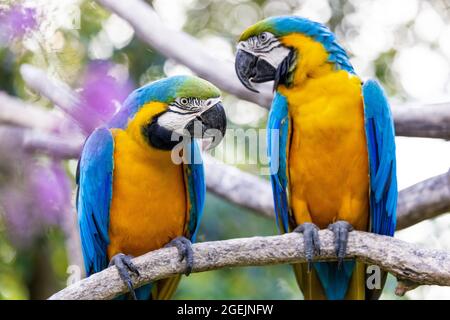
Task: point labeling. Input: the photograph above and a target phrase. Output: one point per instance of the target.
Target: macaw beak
(251, 69)
(212, 124)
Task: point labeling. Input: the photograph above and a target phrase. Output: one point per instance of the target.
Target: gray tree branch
(429, 121)
(13, 109)
(408, 262)
(423, 201)
(33, 140)
(426, 121)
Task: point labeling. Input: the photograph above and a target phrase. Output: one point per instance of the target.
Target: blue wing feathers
(380, 135)
(277, 137)
(94, 199)
(196, 188)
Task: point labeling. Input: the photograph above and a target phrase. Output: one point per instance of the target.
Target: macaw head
(275, 48)
(174, 107)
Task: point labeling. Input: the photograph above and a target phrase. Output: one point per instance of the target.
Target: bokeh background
(403, 43)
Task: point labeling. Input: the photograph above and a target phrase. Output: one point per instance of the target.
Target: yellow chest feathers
(327, 156)
(149, 200)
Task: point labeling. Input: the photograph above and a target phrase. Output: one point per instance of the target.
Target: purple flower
(40, 200)
(16, 21)
(16, 207)
(52, 191)
(21, 20)
(101, 93)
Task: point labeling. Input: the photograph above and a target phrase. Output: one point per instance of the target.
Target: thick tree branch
(411, 121)
(406, 261)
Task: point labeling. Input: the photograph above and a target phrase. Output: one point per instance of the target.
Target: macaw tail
(328, 282)
(165, 288)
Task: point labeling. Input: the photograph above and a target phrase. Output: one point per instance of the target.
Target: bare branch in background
(427, 121)
(424, 201)
(407, 262)
(33, 140)
(56, 91)
(238, 187)
(410, 121)
(430, 198)
(183, 48)
(13, 109)
(61, 147)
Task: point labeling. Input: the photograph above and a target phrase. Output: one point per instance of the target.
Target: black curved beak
(211, 124)
(251, 69)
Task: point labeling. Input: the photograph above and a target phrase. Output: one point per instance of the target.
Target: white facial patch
(275, 56)
(184, 110)
(265, 46)
(175, 121)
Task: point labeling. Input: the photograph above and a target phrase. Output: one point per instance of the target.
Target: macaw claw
(184, 246)
(311, 239)
(340, 230)
(124, 264)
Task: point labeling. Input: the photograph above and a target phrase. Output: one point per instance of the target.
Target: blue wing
(94, 198)
(380, 135)
(277, 139)
(196, 188)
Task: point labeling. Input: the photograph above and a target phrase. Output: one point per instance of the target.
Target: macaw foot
(185, 251)
(311, 239)
(340, 230)
(124, 264)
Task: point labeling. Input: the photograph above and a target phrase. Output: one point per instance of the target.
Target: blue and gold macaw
(133, 197)
(331, 147)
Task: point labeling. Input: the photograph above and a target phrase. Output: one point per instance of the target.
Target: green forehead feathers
(257, 28)
(196, 87)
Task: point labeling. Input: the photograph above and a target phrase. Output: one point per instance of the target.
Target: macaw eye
(263, 37)
(184, 101)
